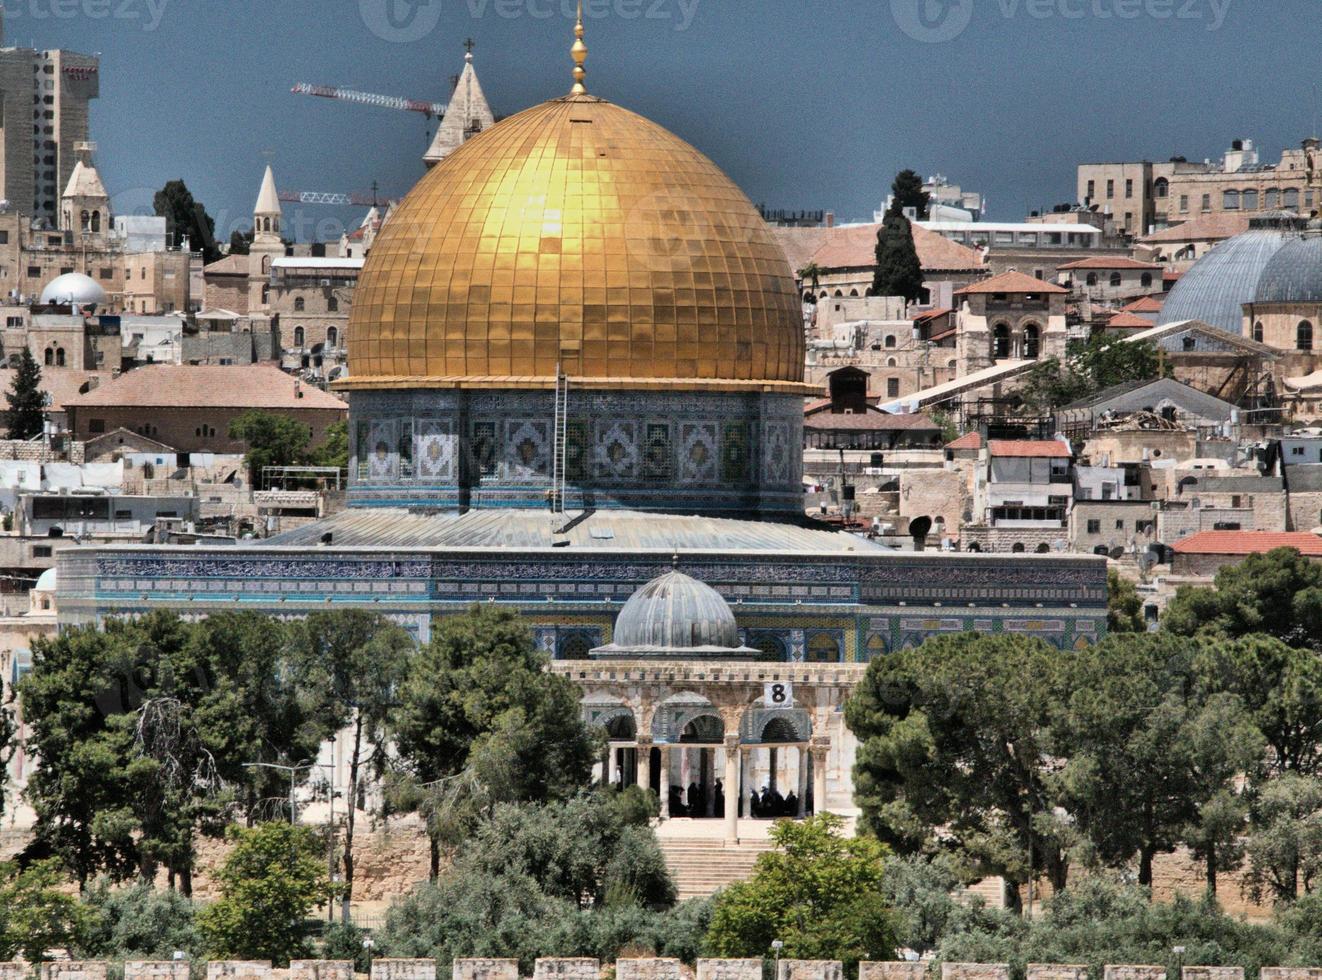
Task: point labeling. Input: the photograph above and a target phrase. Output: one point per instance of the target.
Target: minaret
(468, 114)
(85, 205)
(267, 244)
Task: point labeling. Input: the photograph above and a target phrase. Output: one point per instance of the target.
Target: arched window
(332, 304)
(96, 222)
(332, 336)
(299, 305)
(1092, 279)
(87, 221)
(1116, 280)
(59, 357)
(1043, 548)
(266, 294)
(1258, 331)
(50, 357)
(1272, 199)
(839, 295)
(1161, 188)
(1018, 548)
(891, 362)
(266, 265)
(1032, 342)
(1291, 198)
(1303, 335)
(854, 293)
(298, 336)
(890, 341)
(1001, 342)
(1146, 279)
(1230, 200)
(1250, 200)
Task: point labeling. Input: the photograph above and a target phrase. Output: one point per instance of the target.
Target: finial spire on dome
(580, 53)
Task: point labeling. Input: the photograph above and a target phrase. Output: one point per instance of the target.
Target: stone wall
(1290, 973)
(74, 970)
(388, 969)
(809, 970)
(975, 971)
(238, 970)
(566, 968)
(485, 968)
(36, 452)
(15, 971)
(729, 970)
(903, 970)
(156, 970)
(1126, 972)
(1056, 971)
(316, 970)
(1213, 973)
(652, 968)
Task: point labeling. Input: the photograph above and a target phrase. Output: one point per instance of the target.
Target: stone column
(734, 793)
(746, 793)
(666, 762)
(709, 781)
(644, 762)
(802, 789)
(773, 762)
(819, 751)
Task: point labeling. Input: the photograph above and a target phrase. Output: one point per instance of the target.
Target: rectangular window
(34, 272)
(1129, 188)
(1184, 202)
(96, 426)
(1120, 525)
(42, 551)
(107, 273)
(1207, 202)
(4, 237)
(14, 321)
(1095, 527)
(892, 387)
(1092, 189)
(1110, 188)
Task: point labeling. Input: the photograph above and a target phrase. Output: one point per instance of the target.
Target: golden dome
(580, 234)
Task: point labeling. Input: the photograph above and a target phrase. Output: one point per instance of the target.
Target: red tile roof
(230, 265)
(971, 440)
(1012, 282)
(855, 247)
(1148, 304)
(1099, 262)
(1248, 543)
(1029, 449)
(1126, 321)
(1209, 228)
(207, 386)
(933, 314)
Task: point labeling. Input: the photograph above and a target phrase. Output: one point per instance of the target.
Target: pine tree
(907, 192)
(899, 272)
(26, 416)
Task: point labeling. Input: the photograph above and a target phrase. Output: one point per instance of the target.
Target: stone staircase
(700, 867)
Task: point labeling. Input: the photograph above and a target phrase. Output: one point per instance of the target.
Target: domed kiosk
(675, 617)
(577, 239)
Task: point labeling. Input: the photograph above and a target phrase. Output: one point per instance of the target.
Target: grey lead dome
(676, 612)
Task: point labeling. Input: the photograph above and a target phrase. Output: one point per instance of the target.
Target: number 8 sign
(778, 694)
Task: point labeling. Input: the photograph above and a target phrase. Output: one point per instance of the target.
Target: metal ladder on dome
(559, 439)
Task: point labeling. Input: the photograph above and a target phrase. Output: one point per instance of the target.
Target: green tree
(1144, 750)
(898, 272)
(818, 892)
(1278, 593)
(334, 448)
(1124, 606)
(269, 885)
(907, 192)
(1101, 362)
(36, 915)
(26, 415)
(1285, 845)
(240, 242)
(1281, 687)
(138, 922)
(185, 217)
(478, 701)
(349, 665)
(811, 275)
(956, 735)
(272, 440)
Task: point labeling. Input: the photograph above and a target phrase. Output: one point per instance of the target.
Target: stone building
(1010, 317)
(1111, 281)
(190, 408)
(1202, 555)
(1023, 496)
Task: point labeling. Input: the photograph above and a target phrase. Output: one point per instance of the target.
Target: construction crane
(432, 110)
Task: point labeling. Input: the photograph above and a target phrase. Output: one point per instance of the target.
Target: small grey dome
(73, 289)
(676, 612)
(1294, 275)
(1218, 285)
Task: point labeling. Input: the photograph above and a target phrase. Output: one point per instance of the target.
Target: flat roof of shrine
(532, 529)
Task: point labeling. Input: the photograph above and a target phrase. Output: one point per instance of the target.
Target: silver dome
(73, 289)
(676, 611)
(1218, 285)
(1294, 275)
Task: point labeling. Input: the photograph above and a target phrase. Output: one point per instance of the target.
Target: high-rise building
(44, 100)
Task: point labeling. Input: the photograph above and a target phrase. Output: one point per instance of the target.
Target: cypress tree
(26, 415)
(898, 272)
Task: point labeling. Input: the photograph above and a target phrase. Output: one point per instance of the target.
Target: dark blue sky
(805, 103)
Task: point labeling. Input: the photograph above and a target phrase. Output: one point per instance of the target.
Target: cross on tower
(469, 45)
